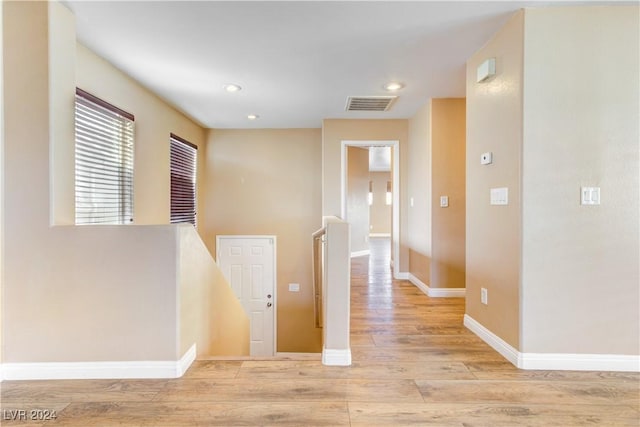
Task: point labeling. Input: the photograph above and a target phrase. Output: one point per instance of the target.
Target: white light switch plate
(500, 196)
(444, 201)
(589, 195)
(294, 287)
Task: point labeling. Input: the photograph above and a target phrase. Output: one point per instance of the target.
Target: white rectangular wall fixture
(499, 196)
(486, 70)
(589, 195)
(444, 201)
(486, 158)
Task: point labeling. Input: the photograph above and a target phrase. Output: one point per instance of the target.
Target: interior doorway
(394, 184)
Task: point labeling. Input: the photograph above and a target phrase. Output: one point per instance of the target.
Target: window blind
(183, 180)
(104, 162)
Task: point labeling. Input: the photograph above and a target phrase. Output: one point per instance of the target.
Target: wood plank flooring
(414, 364)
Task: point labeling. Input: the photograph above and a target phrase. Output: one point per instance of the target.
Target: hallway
(414, 364)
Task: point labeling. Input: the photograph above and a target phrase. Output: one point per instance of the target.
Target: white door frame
(395, 146)
(275, 274)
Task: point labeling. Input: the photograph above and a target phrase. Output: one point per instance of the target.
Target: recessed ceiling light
(393, 86)
(253, 116)
(232, 88)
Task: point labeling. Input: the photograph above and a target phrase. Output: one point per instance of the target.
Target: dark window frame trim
(184, 141)
(86, 95)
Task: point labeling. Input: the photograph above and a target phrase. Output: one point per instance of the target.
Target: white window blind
(183, 180)
(104, 162)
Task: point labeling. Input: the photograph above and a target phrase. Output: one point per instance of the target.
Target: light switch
(411, 202)
(500, 196)
(294, 287)
(486, 158)
(444, 201)
(589, 195)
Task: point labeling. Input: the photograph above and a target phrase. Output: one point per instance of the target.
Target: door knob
(269, 304)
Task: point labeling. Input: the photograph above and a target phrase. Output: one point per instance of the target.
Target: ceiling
(296, 61)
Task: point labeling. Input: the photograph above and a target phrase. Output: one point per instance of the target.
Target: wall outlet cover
(486, 158)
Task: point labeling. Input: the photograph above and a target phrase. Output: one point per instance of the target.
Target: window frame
(104, 149)
(179, 215)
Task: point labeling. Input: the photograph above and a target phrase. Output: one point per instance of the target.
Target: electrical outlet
(486, 158)
(484, 296)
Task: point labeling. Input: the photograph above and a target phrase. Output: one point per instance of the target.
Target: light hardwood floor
(414, 364)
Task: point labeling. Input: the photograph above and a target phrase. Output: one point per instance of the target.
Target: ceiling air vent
(369, 103)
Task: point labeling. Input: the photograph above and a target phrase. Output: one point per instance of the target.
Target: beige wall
(493, 233)
(334, 131)
(436, 167)
(380, 212)
(210, 314)
(357, 190)
(419, 189)
(448, 118)
(91, 293)
(268, 182)
(560, 276)
(580, 291)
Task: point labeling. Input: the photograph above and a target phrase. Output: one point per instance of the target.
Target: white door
(248, 264)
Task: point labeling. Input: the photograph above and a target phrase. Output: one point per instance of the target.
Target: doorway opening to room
(370, 198)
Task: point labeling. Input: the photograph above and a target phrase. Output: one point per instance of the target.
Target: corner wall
(448, 161)
(267, 182)
(561, 113)
(494, 123)
(437, 168)
(419, 190)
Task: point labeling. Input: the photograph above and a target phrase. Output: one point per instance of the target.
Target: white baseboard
(437, 292)
(401, 275)
(497, 343)
(336, 357)
(554, 361)
(379, 234)
(99, 370)
(360, 253)
(186, 360)
(579, 362)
